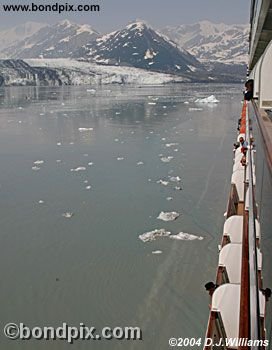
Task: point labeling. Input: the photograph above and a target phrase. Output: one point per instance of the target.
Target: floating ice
(93, 91)
(152, 235)
(186, 237)
(116, 140)
(162, 182)
(88, 187)
(140, 163)
(58, 161)
(169, 198)
(59, 144)
(210, 99)
(90, 163)
(80, 168)
(85, 155)
(168, 216)
(191, 109)
(157, 252)
(186, 102)
(84, 129)
(177, 188)
(175, 179)
(37, 162)
(166, 159)
(68, 215)
(120, 158)
(171, 144)
(35, 168)
(41, 201)
(152, 103)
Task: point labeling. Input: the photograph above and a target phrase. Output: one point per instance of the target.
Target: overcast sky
(116, 13)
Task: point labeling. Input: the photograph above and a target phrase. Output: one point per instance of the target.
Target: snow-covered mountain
(16, 34)
(59, 40)
(140, 46)
(210, 42)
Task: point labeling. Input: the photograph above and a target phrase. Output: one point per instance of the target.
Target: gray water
(92, 268)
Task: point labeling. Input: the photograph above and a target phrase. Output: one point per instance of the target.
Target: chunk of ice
(37, 162)
(162, 182)
(80, 168)
(68, 215)
(186, 237)
(209, 99)
(166, 159)
(152, 235)
(84, 129)
(168, 216)
(175, 179)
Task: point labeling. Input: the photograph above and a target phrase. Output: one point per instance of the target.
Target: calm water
(93, 268)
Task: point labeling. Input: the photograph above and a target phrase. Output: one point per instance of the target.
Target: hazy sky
(115, 14)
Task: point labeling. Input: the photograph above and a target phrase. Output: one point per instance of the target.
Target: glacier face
(57, 72)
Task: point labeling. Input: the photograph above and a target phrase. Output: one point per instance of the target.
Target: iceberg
(175, 179)
(84, 129)
(209, 99)
(162, 182)
(186, 237)
(157, 252)
(152, 235)
(68, 215)
(166, 159)
(80, 168)
(168, 216)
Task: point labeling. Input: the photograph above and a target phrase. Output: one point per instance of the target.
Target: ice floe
(177, 188)
(68, 215)
(80, 168)
(88, 187)
(140, 163)
(120, 158)
(186, 237)
(166, 159)
(169, 198)
(157, 252)
(36, 168)
(175, 179)
(41, 201)
(171, 144)
(37, 162)
(152, 235)
(209, 99)
(162, 182)
(191, 109)
(168, 216)
(84, 129)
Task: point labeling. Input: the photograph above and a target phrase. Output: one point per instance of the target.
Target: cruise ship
(240, 307)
